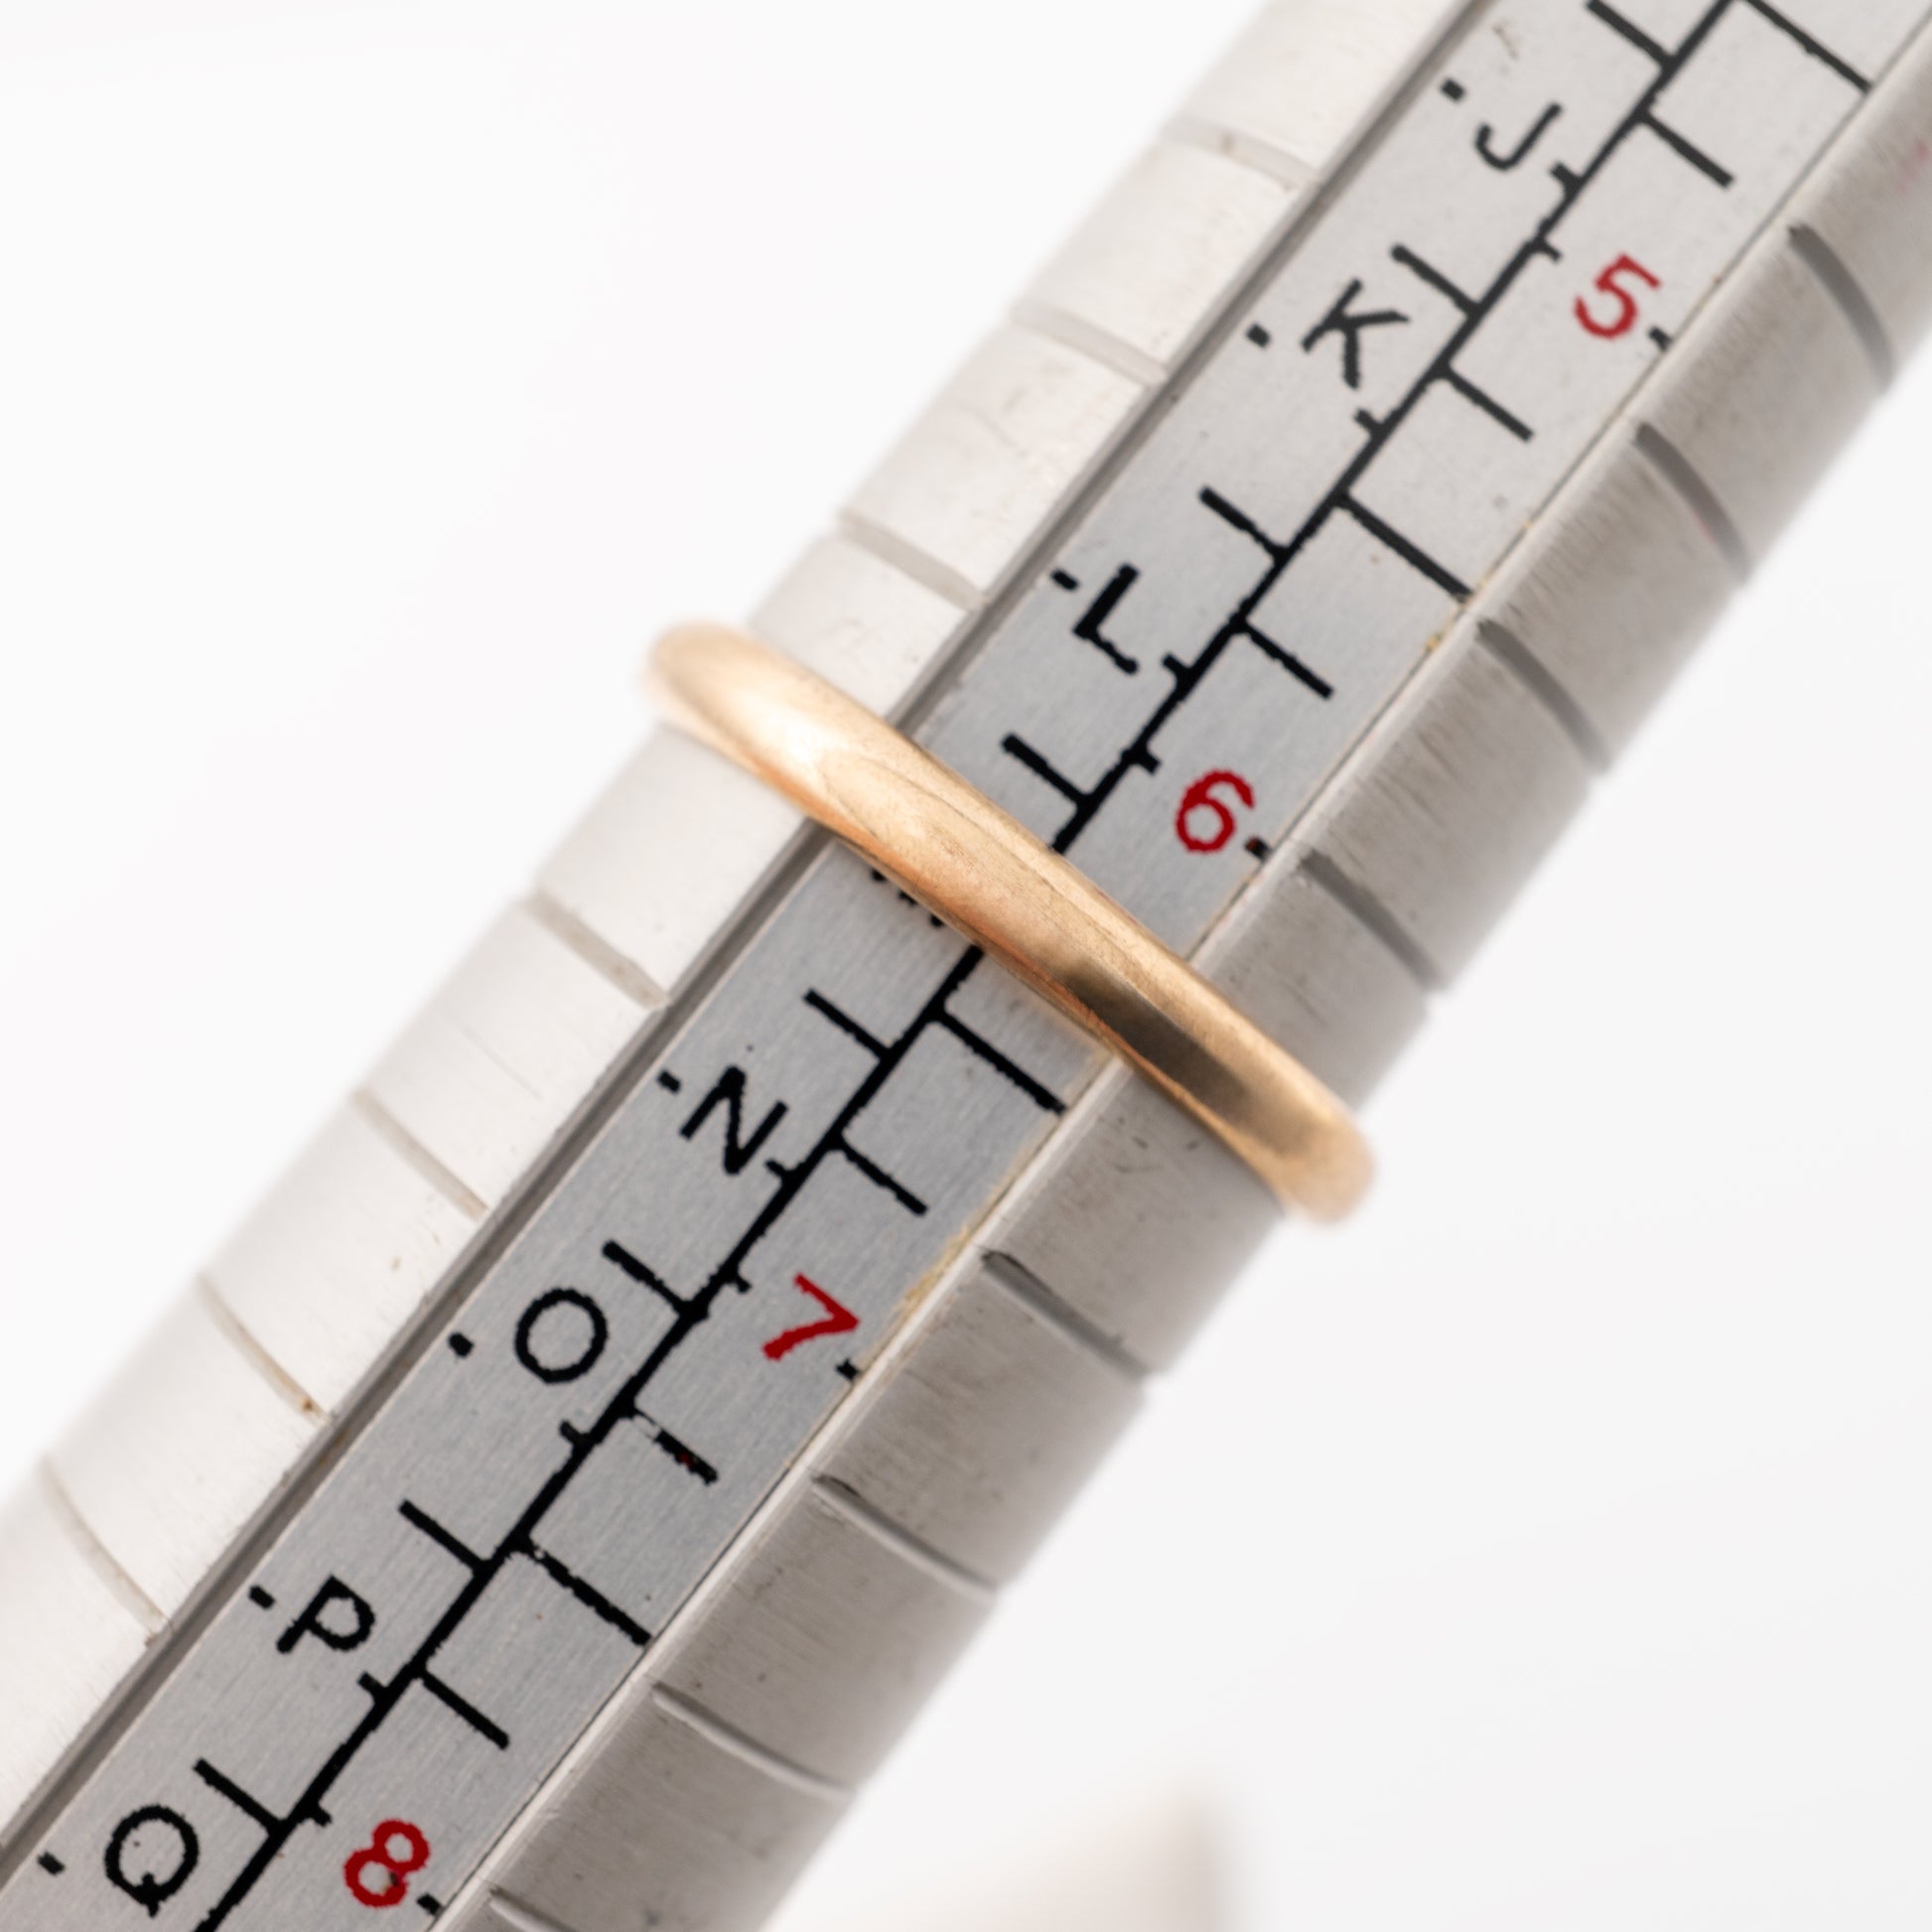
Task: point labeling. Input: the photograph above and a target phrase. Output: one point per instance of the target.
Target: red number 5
(1615, 282)
(395, 1867)
(1201, 802)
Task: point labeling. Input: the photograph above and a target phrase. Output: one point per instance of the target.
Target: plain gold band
(984, 872)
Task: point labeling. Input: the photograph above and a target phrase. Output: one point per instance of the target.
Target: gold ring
(984, 873)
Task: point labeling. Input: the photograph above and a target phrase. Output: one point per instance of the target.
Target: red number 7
(838, 1321)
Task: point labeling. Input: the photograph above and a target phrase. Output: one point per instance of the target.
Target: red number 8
(1202, 799)
(383, 1856)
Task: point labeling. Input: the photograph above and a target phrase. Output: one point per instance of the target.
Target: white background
(1550, 1548)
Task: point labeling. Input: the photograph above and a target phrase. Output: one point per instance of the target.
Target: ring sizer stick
(552, 1505)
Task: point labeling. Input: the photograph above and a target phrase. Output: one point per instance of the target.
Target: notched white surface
(343, 1252)
(179, 1453)
(668, 855)
(861, 623)
(65, 1641)
(1306, 74)
(504, 1054)
(1000, 448)
(1162, 251)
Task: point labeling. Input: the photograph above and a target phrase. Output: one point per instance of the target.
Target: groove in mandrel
(1845, 288)
(1682, 475)
(728, 1739)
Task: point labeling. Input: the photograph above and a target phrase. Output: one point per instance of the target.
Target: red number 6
(1616, 283)
(1201, 797)
(396, 1867)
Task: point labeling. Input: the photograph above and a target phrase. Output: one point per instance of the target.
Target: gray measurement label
(494, 1553)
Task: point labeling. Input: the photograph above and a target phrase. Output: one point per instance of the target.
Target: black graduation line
(1817, 48)
(422, 1521)
(1289, 662)
(1687, 150)
(621, 1259)
(844, 1021)
(1009, 1071)
(588, 1594)
(463, 1710)
(1490, 407)
(1434, 278)
(1629, 30)
(685, 1456)
(223, 1786)
(1411, 554)
(1239, 520)
(879, 1177)
(1016, 748)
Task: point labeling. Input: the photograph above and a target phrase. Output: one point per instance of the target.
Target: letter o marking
(542, 1337)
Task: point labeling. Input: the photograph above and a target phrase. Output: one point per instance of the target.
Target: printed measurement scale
(547, 1525)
